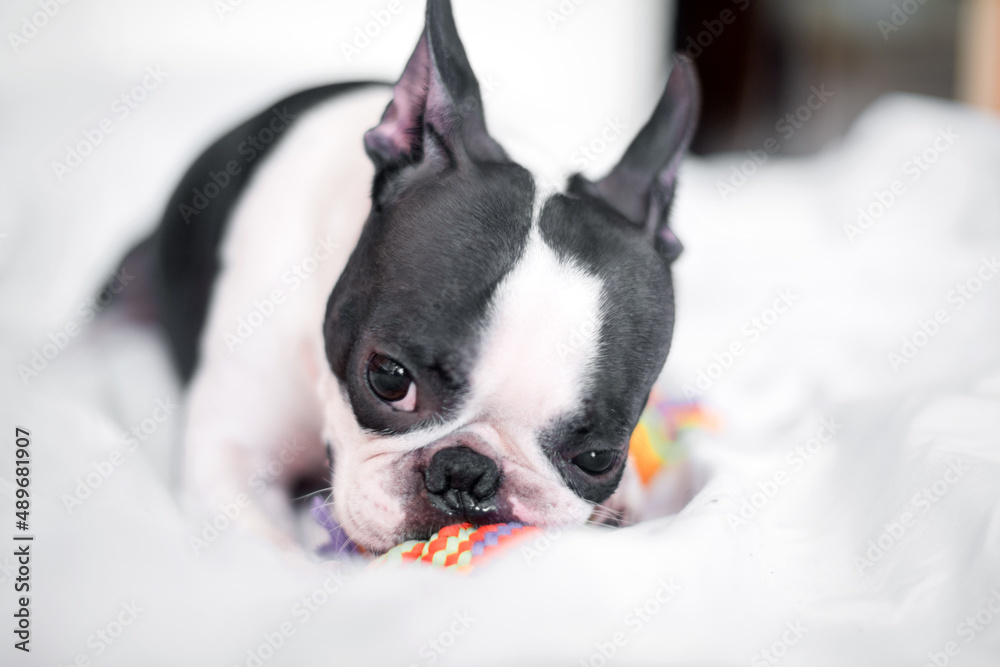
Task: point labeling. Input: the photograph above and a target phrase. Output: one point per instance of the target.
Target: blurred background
(758, 59)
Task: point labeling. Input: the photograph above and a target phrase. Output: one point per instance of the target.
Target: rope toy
(459, 546)
(655, 445)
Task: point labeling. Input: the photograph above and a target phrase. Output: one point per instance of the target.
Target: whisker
(313, 493)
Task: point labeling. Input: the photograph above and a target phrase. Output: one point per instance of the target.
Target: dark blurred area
(761, 60)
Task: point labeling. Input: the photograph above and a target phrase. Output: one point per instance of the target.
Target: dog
(362, 265)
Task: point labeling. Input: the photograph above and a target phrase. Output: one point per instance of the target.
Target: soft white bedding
(870, 548)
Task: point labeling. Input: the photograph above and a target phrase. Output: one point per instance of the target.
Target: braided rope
(457, 546)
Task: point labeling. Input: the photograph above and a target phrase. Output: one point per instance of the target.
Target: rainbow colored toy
(458, 546)
(656, 440)
(655, 445)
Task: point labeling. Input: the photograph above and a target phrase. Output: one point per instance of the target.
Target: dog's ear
(641, 186)
(436, 113)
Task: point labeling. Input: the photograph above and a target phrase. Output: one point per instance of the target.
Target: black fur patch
(636, 328)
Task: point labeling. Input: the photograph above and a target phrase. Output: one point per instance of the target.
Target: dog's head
(492, 345)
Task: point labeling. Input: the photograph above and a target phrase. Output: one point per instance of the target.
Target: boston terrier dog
(362, 265)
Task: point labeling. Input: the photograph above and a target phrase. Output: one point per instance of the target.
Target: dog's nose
(461, 481)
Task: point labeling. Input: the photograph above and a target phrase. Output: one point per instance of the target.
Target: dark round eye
(388, 379)
(596, 462)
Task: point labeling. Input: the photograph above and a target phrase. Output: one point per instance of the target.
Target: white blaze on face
(542, 336)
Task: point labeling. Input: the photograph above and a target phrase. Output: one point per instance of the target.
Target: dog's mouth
(419, 527)
(464, 506)
(429, 513)
(454, 485)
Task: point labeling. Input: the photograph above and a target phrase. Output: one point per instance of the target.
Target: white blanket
(850, 515)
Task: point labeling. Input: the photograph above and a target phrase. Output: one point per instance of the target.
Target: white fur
(247, 402)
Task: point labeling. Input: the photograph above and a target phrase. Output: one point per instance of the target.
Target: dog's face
(492, 345)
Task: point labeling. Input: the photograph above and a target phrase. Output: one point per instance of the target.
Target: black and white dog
(470, 344)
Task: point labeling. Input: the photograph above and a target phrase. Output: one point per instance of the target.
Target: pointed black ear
(436, 108)
(641, 186)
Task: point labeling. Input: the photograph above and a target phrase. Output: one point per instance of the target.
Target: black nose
(461, 481)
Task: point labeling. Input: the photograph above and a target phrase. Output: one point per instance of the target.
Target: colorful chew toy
(458, 546)
(655, 444)
(656, 440)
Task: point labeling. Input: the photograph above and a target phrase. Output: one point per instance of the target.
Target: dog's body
(470, 344)
(255, 398)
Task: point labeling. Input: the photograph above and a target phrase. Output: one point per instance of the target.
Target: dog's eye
(596, 462)
(391, 383)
